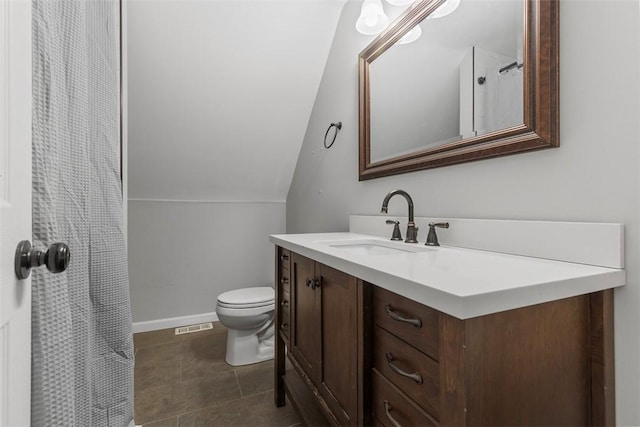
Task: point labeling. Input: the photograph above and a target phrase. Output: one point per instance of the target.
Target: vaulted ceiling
(220, 93)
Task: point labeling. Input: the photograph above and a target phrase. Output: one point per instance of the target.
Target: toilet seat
(262, 296)
(243, 306)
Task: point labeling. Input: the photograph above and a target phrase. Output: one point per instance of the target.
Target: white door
(15, 210)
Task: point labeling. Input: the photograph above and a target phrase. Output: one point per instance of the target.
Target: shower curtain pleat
(82, 349)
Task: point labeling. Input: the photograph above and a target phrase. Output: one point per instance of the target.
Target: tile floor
(184, 381)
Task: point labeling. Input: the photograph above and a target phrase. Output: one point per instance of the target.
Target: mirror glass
(479, 83)
(462, 78)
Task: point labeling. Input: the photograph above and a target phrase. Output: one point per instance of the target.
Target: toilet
(248, 314)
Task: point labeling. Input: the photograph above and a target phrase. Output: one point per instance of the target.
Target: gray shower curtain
(82, 350)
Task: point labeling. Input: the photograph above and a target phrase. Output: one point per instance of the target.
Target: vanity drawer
(285, 280)
(285, 319)
(410, 321)
(285, 322)
(285, 256)
(413, 372)
(392, 408)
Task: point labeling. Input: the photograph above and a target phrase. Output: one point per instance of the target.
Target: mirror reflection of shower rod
(511, 66)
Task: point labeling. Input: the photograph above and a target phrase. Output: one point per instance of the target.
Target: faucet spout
(412, 230)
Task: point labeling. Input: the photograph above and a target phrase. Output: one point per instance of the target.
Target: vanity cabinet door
(305, 317)
(338, 370)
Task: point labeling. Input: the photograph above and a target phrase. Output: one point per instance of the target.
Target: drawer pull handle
(415, 376)
(284, 280)
(415, 321)
(387, 411)
(285, 325)
(284, 303)
(284, 257)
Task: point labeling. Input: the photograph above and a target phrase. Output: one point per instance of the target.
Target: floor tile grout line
(211, 406)
(162, 419)
(235, 373)
(225, 402)
(153, 347)
(187, 413)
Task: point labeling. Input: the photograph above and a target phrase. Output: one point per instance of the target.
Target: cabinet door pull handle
(284, 326)
(284, 257)
(415, 376)
(284, 303)
(415, 321)
(284, 280)
(387, 411)
(313, 283)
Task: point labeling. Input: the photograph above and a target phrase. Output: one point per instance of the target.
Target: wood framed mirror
(408, 121)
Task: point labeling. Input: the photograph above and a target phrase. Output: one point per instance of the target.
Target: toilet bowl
(248, 314)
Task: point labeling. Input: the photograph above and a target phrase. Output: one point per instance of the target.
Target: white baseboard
(173, 322)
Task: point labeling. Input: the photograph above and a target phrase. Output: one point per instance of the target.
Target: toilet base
(245, 346)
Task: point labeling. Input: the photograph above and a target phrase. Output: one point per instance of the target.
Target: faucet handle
(396, 229)
(432, 237)
(439, 224)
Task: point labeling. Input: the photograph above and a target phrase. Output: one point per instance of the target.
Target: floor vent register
(194, 328)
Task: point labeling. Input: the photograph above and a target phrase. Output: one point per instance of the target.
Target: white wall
(400, 120)
(219, 95)
(183, 254)
(593, 176)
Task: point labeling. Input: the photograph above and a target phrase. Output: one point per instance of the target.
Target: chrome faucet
(412, 230)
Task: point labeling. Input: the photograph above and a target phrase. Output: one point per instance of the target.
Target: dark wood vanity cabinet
(322, 343)
(546, 364)
(283, 291)
(367, 356)
(337, 373)
(305, 340)
(405, 371)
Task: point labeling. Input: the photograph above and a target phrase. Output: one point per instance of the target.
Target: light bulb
(372, 20)
(411, 36)
(399, 2)
(445, 9)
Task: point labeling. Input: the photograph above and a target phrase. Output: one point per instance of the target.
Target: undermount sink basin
(370, 249)
(374, 247)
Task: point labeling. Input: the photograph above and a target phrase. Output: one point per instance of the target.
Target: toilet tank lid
(248, 295)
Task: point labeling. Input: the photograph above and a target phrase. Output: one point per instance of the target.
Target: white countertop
(464, 283)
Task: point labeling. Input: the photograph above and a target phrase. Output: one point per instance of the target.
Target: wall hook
(337, 127)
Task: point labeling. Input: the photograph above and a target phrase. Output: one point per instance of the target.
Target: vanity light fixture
(372, 20)
(445, 9)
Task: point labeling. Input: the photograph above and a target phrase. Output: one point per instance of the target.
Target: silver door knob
(56, 258)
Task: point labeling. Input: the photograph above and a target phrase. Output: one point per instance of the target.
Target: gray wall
(183, 254)
(402, 121)
(593, 176)
(219, 95)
